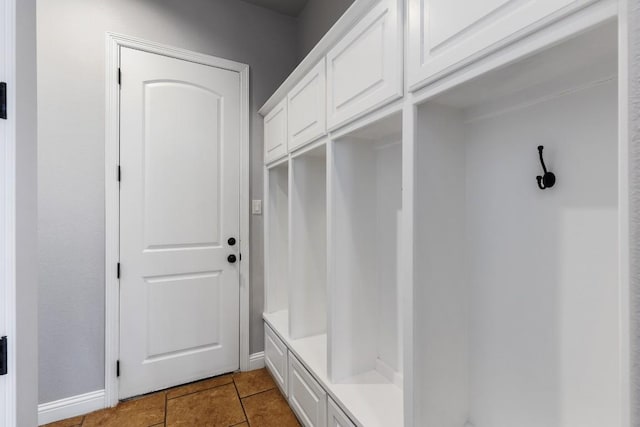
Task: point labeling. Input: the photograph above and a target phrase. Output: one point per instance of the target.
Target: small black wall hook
(547, 180)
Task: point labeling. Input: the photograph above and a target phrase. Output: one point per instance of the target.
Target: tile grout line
(166, 407)
(241, 404)
(198, 391)
(257, 393)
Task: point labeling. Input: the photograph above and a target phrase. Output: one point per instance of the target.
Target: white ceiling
(288, 7)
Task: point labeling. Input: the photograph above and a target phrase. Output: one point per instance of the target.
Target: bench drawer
(306, 397)
(275, 358)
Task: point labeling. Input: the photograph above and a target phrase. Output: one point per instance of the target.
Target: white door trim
(112, 202)
(8, 403)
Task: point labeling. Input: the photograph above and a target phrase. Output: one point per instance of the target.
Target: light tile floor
(242, 399)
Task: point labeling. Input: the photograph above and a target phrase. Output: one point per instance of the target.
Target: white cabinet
(275, 358)
(447, 34)
(307, 108)
(275, 133)
(306, 397)
(335, 416)
(418, 227)
(364, 69)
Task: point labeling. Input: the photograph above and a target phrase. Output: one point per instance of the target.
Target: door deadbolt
(231, 241)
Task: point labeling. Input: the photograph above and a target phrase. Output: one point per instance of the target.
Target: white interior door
(179, 206)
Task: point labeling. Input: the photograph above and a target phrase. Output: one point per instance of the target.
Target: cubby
(516, 289)
(366, 205)
(308, 240)
(431, 279)
(277, 241)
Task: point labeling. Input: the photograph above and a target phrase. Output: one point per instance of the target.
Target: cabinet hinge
(119, 77)
(119, 173)
(3, 356)
(118, 271)
(117, 368)
(3, 100)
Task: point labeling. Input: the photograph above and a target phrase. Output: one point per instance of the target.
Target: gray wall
(315, 20)
(71, 40)
(633, 43)
(26, 215)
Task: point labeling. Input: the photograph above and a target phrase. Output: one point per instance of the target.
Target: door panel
(178, 307)
(445, 35)
(276, 359)
(307, 399)
(364, 69)
(307, 108)
(457, 15)
(275, 133)
(179, 153)
(173, 216)
(336, 417)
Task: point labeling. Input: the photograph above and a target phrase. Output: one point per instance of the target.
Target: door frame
(112, 192)
(8, 388)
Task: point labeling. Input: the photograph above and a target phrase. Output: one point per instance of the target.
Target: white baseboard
(70, 407)
(256, 361)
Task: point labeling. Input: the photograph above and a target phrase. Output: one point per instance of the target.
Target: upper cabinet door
(307, 104)
(364, 70)
(275, 133)
(445, 35)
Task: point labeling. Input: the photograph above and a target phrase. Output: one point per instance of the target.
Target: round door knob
(231, 241)
(231, 258)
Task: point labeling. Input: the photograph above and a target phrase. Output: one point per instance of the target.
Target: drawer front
(275, 133)
(364, 70)
(445, 35)
(307, 107)
(336, 417)
(275, 358)
(306, 397)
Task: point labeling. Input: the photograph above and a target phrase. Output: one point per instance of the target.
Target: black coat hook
(548, 179)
